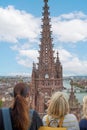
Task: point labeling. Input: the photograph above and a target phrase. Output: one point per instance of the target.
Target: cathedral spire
(46, 58)
(47, 75)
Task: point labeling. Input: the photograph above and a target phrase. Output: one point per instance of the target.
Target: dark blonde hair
(20, 111)
(85, 107)
(59, 105)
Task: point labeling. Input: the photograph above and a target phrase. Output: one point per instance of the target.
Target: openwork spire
(46, 58)
(47, 73)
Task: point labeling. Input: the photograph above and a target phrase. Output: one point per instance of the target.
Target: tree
(0, 103)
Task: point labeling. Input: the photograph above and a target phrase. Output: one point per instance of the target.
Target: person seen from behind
(20, 112)
(83, 121)
(58, 110)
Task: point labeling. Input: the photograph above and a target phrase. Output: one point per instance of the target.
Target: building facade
(47, 73)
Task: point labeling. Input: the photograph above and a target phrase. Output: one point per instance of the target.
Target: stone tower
(75, 106)
(47, 73)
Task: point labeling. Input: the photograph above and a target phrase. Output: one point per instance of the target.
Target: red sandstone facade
(75, 106)
(47, 73)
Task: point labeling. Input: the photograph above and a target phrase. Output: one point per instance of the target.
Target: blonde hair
(59, 105)
(85, 106)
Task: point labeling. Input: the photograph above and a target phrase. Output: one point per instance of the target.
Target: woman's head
(59, 105)
(20, 110)
(85, 106)
(21, 89)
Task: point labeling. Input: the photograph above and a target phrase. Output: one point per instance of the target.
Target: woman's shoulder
(34, 113)
(83, 124)
(36, 121)
(0, 115)
(70, 116)
(0, 110)
(1, 120)
(83, 120)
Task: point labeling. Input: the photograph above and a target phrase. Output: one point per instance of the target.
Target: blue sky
(20, 26)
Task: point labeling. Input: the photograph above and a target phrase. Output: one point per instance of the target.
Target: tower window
(46, 76)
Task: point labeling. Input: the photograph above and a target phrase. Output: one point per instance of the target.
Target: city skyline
(20, 27)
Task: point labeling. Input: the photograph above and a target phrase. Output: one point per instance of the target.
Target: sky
(20, 27)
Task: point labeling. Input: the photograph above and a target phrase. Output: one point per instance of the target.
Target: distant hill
(75, 77)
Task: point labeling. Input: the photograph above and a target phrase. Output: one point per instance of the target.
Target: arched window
(46, 76)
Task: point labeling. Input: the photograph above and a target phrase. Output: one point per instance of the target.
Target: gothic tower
(75, 106)
(47, 73)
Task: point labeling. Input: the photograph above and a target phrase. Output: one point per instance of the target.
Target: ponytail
(20, 113)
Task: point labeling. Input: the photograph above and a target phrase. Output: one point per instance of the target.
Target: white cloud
(16, 24)
(29, 53)
(72, 64)
(27, 57)
(18, 74)
(70, 27)
(25, 62)
(64, 55)
(73, 15)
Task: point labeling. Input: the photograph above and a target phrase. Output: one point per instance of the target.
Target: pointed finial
(57, 53)
(34, 66)
(45, 0)
(57, 58)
